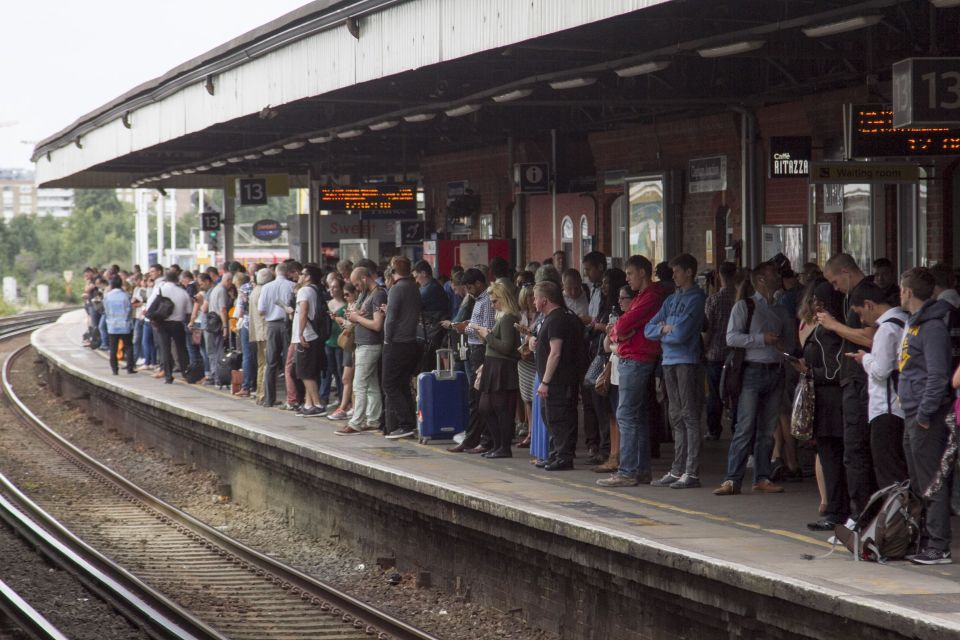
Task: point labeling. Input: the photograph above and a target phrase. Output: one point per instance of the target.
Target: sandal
(525, 444)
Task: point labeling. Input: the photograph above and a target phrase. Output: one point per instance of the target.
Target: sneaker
(312, 412)
(686, 481)
(347, 431)
(765, 486)
(350, 413)
(371, 427)
(618, 480)
(932, 556)
(339, 414)
(401, 433)
(726, 488)
(665, 481)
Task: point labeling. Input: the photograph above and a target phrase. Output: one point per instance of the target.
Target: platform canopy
(366, 87)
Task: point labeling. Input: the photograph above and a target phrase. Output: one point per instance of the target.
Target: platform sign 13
(926, 92)
(210, 220)
(253, 191)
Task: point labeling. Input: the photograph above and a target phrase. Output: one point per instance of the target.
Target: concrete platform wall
(562, 583)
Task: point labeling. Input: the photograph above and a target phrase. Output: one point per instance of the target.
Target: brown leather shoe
(727, 488)
(478, 450)
(606, 467)
(457, 449)
(765, 486)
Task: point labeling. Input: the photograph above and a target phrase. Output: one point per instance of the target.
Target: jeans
(757, 411)
(401, 362)
(149, 349)
(193, 350)
(277, 338)
(368, 405)
(632, 416)
(249, 360)
(332, 373)
(137, 339)
(102, 328)
(684, 384)
(214, 340)
(924, 448)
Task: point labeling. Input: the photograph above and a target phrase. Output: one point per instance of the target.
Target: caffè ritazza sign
(789, 157)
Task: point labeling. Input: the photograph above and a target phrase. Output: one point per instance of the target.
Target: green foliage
(38, 250)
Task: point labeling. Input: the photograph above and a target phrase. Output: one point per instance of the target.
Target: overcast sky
(64, 58)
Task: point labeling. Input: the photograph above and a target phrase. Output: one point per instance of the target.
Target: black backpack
(321, 322)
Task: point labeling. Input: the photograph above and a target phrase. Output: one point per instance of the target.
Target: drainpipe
(749, 224)
(553, 186)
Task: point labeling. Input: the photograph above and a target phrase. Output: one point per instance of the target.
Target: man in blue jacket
(924, 396)
(677, 327)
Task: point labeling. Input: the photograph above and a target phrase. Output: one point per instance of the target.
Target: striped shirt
(482, 315)
(717, 310)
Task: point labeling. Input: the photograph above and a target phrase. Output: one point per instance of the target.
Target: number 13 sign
(926, 93)
(253, 191)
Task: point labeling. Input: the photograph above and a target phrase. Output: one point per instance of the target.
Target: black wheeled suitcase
(231, 361)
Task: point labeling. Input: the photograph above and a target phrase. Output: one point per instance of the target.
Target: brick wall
(539, 222)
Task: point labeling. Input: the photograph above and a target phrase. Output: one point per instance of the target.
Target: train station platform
(570, 556)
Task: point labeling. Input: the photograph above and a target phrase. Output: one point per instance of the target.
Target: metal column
(229, 217)
(158, 207)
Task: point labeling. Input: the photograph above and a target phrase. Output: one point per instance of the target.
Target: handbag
(595, 369)
(804, 400)
(346, 340)
(214, 322)
(732, 377)
(602, 385)
(160, 309)
(196, 337)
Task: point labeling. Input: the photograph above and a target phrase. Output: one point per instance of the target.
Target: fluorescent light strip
(420, 117)
(234, 159)
(203, 167)
(510, 96)
(252, 156)
(572, 83)
(731, 49)
(218, 163)
(294, 145)
(325, 138)
(841, 26)
(642, 69)
(349, 133)
(273, 152)
(462, 110)
(383, 126)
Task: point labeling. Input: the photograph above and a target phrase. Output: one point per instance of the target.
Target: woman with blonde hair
(499, 381)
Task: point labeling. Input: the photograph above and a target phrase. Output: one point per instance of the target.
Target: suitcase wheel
(424, 440)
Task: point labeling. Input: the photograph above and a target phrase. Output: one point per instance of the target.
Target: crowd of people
(617, 361)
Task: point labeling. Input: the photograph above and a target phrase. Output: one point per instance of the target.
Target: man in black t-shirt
(556, 363)
(845, 276)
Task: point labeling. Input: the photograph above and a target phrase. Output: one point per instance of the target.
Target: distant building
(20, 196)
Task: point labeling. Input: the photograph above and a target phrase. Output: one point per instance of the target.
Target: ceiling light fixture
(251, 156)
(642, 69)
(297, 144)
(273, 152)
(731, 49)
(510, 96)
(945, 4)
(189, 171)
(383, 126)
(462, 110)
(234, 159)
(164, 176)
(322, 139)
(841, 26)
(572, 83)
(420, 117)
(218, 163)
(203, 167)
(349, 133)
(176, 172)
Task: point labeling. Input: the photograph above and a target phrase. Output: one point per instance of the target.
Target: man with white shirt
(172, 329)
(275, 298)
(871, 303)
(596, 413)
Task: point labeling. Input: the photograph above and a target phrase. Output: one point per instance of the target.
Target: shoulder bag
(161, 308)
(732, 377)
(804, 400)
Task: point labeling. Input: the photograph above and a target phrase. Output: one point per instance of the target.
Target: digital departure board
(872, 136)
(378, 197)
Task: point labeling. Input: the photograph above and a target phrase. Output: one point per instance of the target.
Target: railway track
(199, 582)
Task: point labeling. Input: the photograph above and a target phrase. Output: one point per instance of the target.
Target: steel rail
(330, 599)
(140, 604)
(27, 619)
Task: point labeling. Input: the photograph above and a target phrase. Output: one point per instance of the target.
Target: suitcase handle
(444, 370)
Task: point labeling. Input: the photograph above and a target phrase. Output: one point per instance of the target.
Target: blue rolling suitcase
(443, 400)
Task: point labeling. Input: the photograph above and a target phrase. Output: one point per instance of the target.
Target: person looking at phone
(367, 319)
(871, 303)
(846, 277)
(768, 334)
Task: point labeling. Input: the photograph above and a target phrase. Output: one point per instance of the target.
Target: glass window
(486, 227)
(785, 239)
(858, 225)
(912, 224)
(646, 219)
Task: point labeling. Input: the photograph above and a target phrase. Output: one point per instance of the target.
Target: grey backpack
(888, 528)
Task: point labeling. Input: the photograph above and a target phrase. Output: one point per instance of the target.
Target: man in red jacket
(638, 358)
